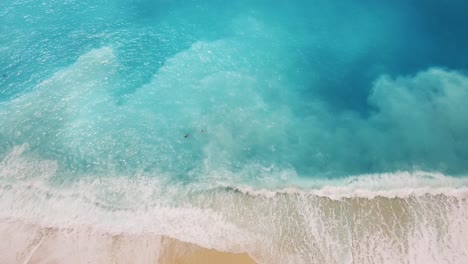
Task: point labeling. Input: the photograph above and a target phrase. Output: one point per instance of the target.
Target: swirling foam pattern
(307, 132)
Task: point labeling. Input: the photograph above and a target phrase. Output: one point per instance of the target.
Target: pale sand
(30, 243)
(199, 255)
(207, 256)
(421, 229)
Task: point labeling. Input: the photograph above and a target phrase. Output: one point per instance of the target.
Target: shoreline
(288, 229)
(178, 252)
(31, 243)
(229, 226)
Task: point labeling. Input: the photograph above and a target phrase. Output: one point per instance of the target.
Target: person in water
(187, 135)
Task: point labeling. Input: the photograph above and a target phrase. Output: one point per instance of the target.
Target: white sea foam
(390, 185)
(268, 89)
(354, 221)
(110, 204)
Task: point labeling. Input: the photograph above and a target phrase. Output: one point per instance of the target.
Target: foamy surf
(119, 219)
(35, 244)
(321, 132)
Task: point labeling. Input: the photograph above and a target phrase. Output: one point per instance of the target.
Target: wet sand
(199, 255)
(302, 228)
(29, 243)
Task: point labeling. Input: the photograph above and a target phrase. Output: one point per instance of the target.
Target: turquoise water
(322, 88)
(187, 95)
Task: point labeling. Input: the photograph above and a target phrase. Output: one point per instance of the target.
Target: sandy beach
(425, 228)
(29, 243)
(199, 255)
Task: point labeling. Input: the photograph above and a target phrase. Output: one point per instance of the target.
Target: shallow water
(142, 115)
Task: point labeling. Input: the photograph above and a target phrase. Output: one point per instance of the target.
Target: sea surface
(318, 131)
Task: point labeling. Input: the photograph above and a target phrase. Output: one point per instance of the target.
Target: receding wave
(325, 131)
(424, 218)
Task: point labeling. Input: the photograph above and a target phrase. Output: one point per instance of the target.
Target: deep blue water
(187, 89)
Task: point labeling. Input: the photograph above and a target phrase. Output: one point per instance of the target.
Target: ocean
(317, 131)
